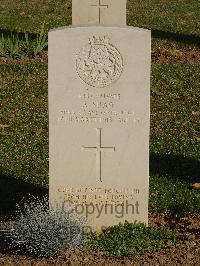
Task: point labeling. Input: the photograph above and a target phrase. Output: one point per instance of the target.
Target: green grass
(24, 144)
(24, 140)
(175, 124)
(174, 143)
(175, 198)
(175, 132)
(131, 239)
(174, 22)
(171, 16)
(29, 15)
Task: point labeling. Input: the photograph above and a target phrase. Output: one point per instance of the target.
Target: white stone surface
(99, 120)
(102, 12)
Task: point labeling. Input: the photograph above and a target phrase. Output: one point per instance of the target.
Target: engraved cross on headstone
(100, 6)
(99, 149)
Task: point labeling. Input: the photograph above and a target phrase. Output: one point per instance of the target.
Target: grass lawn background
(171, 21)
(175, 104)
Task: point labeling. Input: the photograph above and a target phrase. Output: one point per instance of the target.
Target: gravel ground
(184, 254)
(187, 253)
(159, 55)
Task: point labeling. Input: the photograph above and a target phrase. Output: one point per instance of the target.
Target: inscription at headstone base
(99, 86)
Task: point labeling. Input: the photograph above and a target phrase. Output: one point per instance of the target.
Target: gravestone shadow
(177, 37)
(20, 35)
(13, 191)
(159, 34)
(175, 166)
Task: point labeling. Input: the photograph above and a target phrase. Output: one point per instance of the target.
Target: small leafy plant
(45, 232)
(3, 46)
(40, 43)
(131, 239)
(13, 47)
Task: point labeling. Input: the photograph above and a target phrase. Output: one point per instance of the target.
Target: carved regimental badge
(99, 63)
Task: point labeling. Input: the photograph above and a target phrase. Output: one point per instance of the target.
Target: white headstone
(99, 120)
(99, 12)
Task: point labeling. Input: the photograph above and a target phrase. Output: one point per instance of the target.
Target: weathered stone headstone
(99, 86)
(102, 12)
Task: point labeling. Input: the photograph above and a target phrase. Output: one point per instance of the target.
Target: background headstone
(102, 12)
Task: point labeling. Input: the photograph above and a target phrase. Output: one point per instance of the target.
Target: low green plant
(13, 47)
(27, 47)
(174, 53)
(131, 239)
(10, 46)
(45, 232)
(3, 46)
(41, 42)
